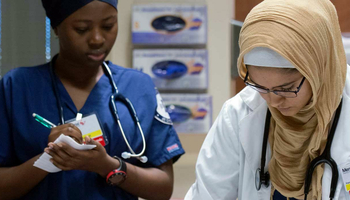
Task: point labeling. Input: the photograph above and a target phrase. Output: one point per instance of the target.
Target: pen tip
(34, 114)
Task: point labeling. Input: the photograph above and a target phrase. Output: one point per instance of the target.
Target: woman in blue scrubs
(86, 31)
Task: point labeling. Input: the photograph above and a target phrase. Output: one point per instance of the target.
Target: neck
(76, 74)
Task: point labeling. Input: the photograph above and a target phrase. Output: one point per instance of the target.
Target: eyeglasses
(283, 93)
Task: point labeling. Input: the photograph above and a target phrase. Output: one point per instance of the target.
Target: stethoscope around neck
(116, 96)
(263, 178)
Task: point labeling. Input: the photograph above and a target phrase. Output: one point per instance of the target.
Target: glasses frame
(276, 92)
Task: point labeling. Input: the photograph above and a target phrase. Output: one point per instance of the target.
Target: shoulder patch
(161, 114)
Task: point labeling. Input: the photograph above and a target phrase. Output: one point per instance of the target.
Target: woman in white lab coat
(293, 61)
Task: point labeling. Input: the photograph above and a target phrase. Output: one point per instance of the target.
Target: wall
(23, 43)
(219, 16)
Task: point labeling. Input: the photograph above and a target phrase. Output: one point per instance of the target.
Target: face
(281, 79)
(87, 36)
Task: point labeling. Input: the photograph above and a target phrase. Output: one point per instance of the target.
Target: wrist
(117, 176)
(107, 166)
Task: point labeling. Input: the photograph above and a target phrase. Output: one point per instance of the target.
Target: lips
(96, 56)
(283, 109)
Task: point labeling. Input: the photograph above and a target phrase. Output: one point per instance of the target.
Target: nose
(273, 100)
(96, 39)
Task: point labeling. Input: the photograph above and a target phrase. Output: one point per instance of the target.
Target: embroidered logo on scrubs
(172, 148)
(162, 115)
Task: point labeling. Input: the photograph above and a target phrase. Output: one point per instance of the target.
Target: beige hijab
(307, 33)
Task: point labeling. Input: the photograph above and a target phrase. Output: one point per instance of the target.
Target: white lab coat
(231, 152)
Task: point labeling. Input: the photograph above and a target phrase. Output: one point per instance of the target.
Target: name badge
(90, 126)
(345, 172)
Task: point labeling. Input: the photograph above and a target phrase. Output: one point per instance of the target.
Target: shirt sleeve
(217, 167)
(163, 143)
(7, 157)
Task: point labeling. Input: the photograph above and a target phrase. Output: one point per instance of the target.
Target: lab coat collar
(251, 98)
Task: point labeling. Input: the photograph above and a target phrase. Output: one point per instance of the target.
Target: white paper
(44, 161)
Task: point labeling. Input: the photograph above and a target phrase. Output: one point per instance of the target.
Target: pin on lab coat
(231, 152)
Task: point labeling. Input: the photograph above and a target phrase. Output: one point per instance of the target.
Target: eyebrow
(110, 17)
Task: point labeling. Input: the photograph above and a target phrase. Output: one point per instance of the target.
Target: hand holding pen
(66, 129)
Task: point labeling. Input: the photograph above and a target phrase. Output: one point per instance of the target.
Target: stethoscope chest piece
(261, 178)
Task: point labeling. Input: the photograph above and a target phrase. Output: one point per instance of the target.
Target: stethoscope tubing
(117, 96)
(325, 157)
(114, 97)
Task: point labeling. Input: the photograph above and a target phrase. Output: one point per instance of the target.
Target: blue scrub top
(278, 196)
(28, 90)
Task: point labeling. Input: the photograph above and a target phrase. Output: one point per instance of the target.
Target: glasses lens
(286, 94)
(264, 91)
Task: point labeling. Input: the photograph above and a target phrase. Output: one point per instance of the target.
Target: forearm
(19, 180)
(147, 183)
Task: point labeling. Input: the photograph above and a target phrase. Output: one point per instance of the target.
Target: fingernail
(70, 129)
(47, 151)
(50, 146)
(59, 144)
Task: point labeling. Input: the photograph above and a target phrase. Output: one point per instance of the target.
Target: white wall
(220, 13)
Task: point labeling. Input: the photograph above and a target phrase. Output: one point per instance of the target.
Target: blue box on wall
(190, 113)
(174, 69)
(169, 24)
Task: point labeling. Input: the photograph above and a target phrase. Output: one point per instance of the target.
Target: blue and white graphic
(174, 69)
(190, 113)
(177, 24)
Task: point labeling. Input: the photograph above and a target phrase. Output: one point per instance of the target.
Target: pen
(43, 121)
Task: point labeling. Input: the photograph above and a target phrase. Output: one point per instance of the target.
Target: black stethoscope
(116, 96)
(262, 177)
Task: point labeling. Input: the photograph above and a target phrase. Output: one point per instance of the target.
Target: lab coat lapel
(251, 135)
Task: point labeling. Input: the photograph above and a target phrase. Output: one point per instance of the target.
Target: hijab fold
(307, 34)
